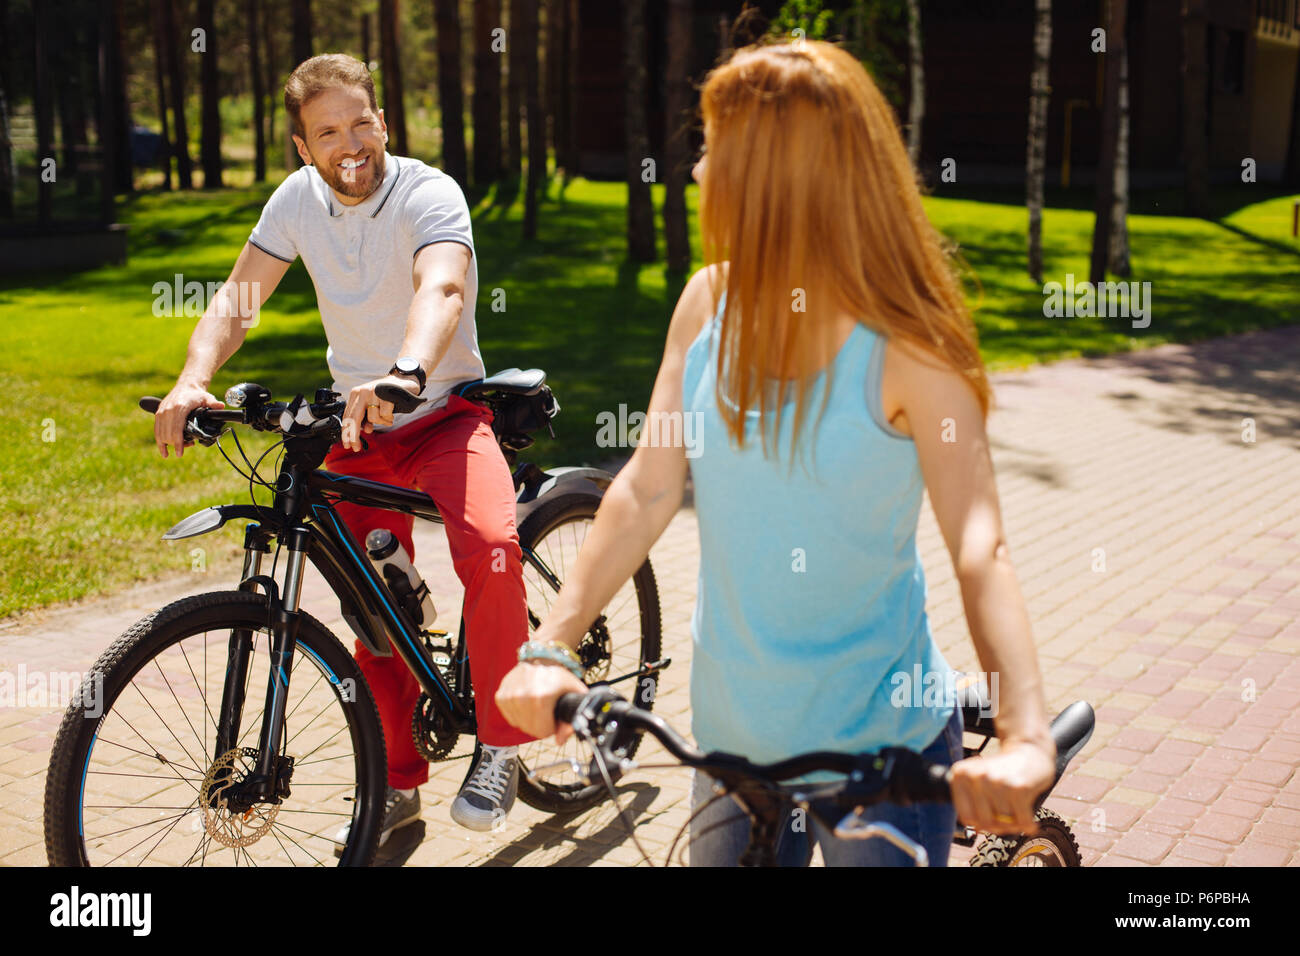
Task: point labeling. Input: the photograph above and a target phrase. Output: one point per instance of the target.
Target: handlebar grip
(910, 778)
(932, 786)
(403, 401)
(566, 708)
(150, 404)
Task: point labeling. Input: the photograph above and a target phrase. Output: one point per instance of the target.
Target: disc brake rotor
(232, 828)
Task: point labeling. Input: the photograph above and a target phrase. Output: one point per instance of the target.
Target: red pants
(453, 457)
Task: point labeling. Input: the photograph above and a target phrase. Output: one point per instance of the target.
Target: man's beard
(355, 187)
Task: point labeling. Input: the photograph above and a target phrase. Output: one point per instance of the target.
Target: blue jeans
(720, 833)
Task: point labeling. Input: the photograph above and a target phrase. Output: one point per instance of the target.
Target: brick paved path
(1157, 549)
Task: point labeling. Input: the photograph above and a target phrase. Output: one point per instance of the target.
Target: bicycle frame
(303, 520)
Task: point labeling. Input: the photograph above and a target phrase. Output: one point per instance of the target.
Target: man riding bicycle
(388, 244)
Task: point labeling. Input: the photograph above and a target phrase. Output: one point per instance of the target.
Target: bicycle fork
(269, 778)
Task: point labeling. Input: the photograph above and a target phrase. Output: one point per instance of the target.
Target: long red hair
(808, 190)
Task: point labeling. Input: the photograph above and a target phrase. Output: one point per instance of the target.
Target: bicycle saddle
(512, 381)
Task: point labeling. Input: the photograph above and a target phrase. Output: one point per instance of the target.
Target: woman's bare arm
(634, 512)
(945, 421)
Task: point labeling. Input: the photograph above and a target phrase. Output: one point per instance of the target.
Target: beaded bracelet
(552, 651)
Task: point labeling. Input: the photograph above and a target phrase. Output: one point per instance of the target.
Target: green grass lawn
(83, 513)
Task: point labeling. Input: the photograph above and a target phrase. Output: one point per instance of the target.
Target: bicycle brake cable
(691, 819)
(613, 796)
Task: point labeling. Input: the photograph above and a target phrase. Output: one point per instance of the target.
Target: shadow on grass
(1224, 199)
(1273, 244)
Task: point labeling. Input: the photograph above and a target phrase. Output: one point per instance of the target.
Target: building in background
(977, 56)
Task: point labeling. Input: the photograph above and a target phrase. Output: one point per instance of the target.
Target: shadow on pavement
(560, 830)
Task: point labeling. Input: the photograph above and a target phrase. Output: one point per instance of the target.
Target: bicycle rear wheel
(619, 642)
(135, 753)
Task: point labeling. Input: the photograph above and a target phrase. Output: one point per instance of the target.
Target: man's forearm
(431, 325)
(217, 336)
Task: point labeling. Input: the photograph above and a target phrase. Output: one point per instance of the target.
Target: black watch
(411, 367)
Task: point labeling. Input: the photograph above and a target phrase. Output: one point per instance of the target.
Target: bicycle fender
(210, 519)
(557, 480)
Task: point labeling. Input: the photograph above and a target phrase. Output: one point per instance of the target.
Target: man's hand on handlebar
(528, 694)
(169, 420)
(365, 410)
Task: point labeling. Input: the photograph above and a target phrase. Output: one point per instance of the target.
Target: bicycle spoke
(164, 723)
(156, 755)
(178, 703)
(147, 776)
(304, 727)
(136, 827)
(295, 843)
(202, 689)
(322, 744)
(165, 832)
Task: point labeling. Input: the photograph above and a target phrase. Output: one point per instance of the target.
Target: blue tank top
(810, 630)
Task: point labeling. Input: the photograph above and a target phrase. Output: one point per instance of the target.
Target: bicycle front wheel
(135, 780)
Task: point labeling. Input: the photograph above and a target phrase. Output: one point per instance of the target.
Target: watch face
(408, 365)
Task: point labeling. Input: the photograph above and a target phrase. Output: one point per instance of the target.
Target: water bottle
(394, 566)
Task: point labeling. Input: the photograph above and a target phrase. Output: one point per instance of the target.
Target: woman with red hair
(830, 364)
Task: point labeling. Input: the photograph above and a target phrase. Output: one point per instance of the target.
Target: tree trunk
(570, 145)
(177, 82)
(300, 46)
(6, 156)
(916, 109)
(1035, 160)
(536, 119)
(108, 120)
(6, 137)
(1118, 258)
(640, 210)
(514, 89)
(676, 135)
(1105, 198)
(1291, 174)
(390, 69)
(159, 73)
(259, 96)
(451, 98)
(301, 25)
(210, 97)
(1196, 149)
(365, 39)
(274, 94)
(123, 180)
(486, 103)
(43, 109)
(67, 56)
(555, 49)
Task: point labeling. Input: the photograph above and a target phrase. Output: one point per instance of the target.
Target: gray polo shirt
(359, 258)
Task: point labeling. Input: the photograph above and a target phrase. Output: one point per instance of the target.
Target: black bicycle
(156, 761)
(613, 727)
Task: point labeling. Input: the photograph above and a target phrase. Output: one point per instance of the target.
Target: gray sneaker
(489, 793)
(399, 810)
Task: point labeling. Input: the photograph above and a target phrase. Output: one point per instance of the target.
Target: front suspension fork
(283, 622)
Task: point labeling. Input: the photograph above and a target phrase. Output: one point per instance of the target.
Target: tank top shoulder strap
(873, 380)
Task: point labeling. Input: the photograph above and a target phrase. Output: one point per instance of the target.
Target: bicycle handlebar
(204, 425)
(893, 774)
